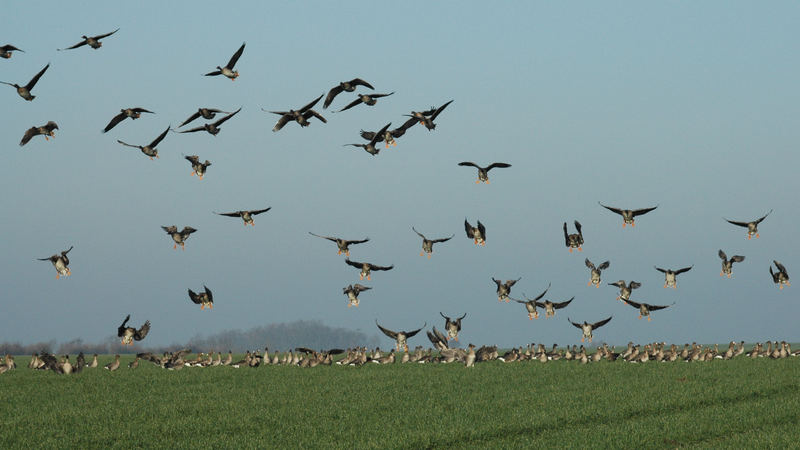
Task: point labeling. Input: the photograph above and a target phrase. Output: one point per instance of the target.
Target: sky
(689, 106)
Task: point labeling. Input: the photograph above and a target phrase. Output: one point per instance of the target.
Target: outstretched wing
(741, 224)
(83, 42)
(685, 269)
(351, 104)
(497, 164)
(439, 110)
(597, 325)
(566, 235)
(330, 238)
(397, 132)
(230, 214)
(32, 131)
(420, 235)
(442, 239)
(413, 333)
(160, 138)
(225, 118)
(194, 297)
(576, 325)
(191, 118)
(604, 266)
(374, 267)
(33, 81)
(336, 90)
(657, 307)
(121, 328)
(259, 211)
(640, 212)
(660, 269)
(235, 57)
(358, 241)
(633, 303)
(379, 135)
(780, 266)
(468, 229)
(722, 254)
(469, 163)
(354, 263)
(589, 264)
(611, 208)
(737, 258)
(758, 221)
(539, 297)
(141, 333)
(311, 113)
(101, 36)
(368, 135)
(310, 105)
(482, 229)
(389, 333)
(114, 121)
(563, 304)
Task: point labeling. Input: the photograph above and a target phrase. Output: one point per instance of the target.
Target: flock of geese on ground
(477, 233)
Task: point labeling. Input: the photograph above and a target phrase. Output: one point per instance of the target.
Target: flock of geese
(303, 116)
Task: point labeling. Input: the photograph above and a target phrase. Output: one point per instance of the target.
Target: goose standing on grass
(228, 69)
(344, 86)
(483, 172)
(129, 334)
(594, 278)
(670, 275)
(61, 263)
(5, 51)
(752, 227)
(25, 91)
(366, 268)
(247, 216)
(113, 365)
(587, 327)
(370, 147)
(132, 113)
(625, 290)
(645, 308)
(205, 299)
(179, 237)
(727, 264)
(342, 244)
(198, 168)
(504, 289)
(628, 215)
(205, 113)
(400, 337)
(91, 41)
(367, 99)
(452, 326)
(301, 116)
(781, 277)
(532, 303)
(47, 130)
(390, 136)
(574, 240)
(352, 291)
(477, 234)
(150, 149)
(427, 244)
(214, 127)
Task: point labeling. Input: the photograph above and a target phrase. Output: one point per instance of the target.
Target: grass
(738, 403)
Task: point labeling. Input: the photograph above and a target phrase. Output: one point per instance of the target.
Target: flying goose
(344, 86)
(670, 275)
(150, 149)
(400, 337)
(551, 307)
(781, 277)
(45, 130)
(91, 41)
(179, 237)
(247, 216)
(573, 240)
(214, 127)
(752, 227)
(628, 215)
(532, 303)
(228, 69)
(60, 262)
(595, 272)
(483, 172)
(25, 91)
(370, 146)
(504, 289)
(132, 113)
(301, 116)
(727, 264)
(625, 291)
(205, 113)
(368, 99)
(452, 326)
(366, 268)
(438, 339)
(205, 299)
(342, 244)
(5, 51)
(427, 244)
(198, 168)
(352, 291)
(427, 117)
(478, 234)
(645, 308)
(390, 136)
(128, 334)
(587, 327)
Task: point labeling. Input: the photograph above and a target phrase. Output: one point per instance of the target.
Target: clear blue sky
(692, 106)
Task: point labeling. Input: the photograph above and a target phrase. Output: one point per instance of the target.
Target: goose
(214, 127)
(150, 149)
(205, 113)
(205, 299)
(483, 172)
(366, 268)
(400, 337)
(93, 364)
(390, 136)
(179, 237)
(478, 234)
(114, 365)
(228, 69)
(452, 326)
(752, 227)
(781, 277)
(5, 51)
(727, 264)
(134, 364)
(625, 290)
(301, 116)
(46, 130)
(246, 215)
(344, 86)
(198, 168)
(342, 244)
(427, 244)
(628, 215)
(646, 308)
(587, 327)
(91, 41)
(574, 240)
(370, 146)
(25, 91)
(129, 334)
(551, 307)
(132, 113)
(504, 289)
(427, 117)
(670, 275)
(595, 272)
(531, 303)
(352, 291)
(438, 339)
(469, 361)
(60, 262)
(367, 99)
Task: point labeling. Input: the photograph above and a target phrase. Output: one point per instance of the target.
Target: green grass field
(739, 403)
